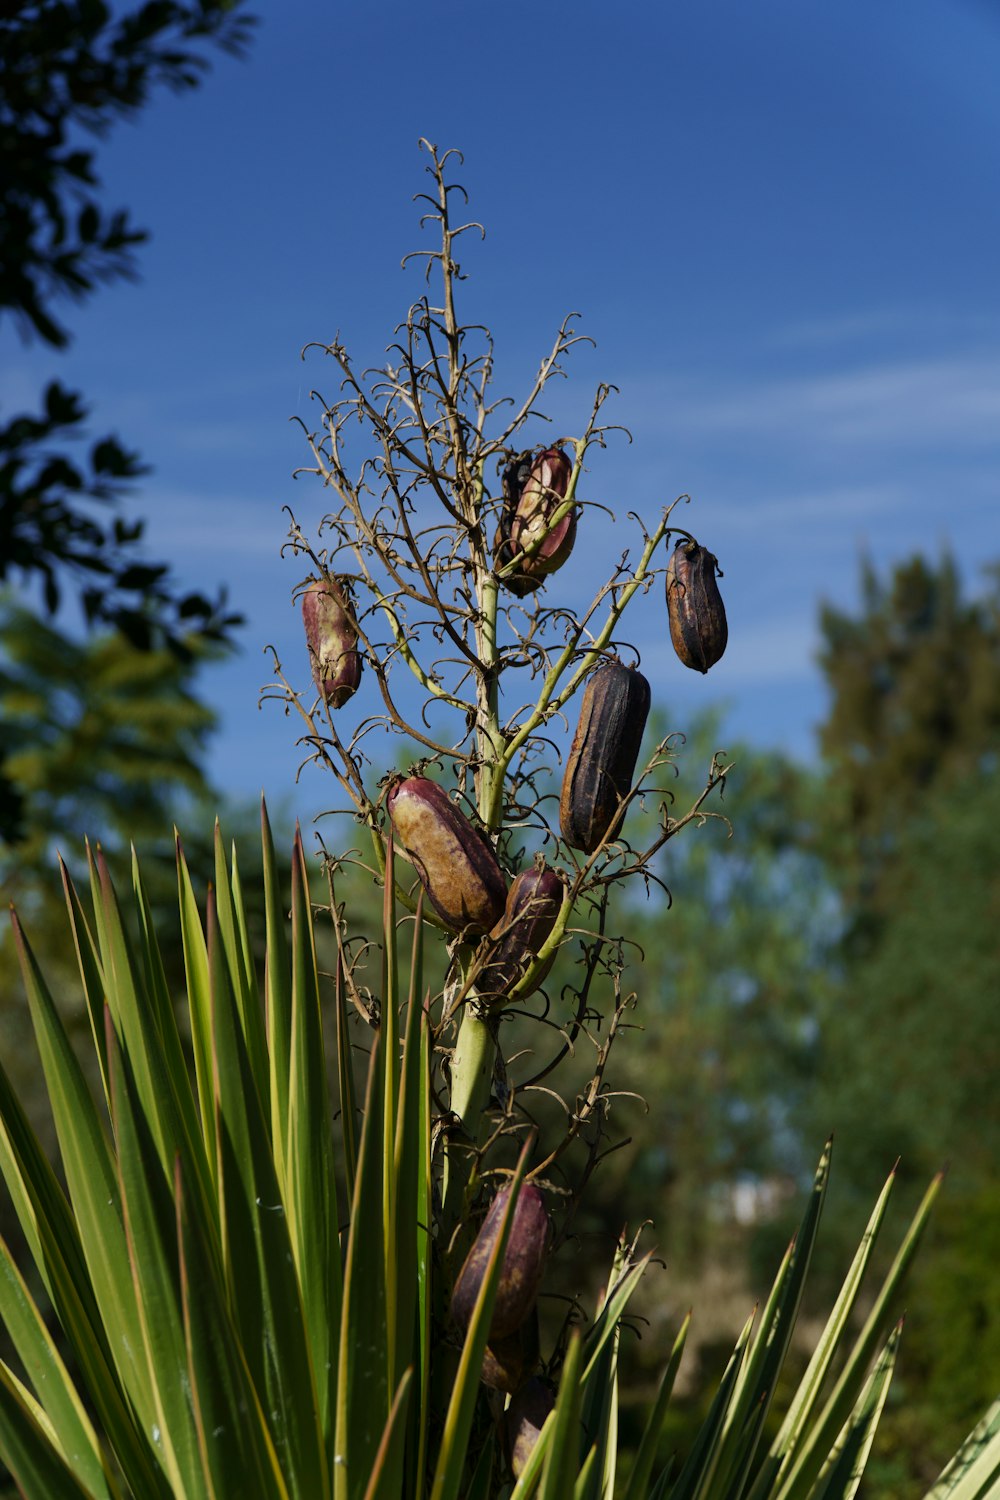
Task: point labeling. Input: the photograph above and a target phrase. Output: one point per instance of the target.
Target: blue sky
(779, 221)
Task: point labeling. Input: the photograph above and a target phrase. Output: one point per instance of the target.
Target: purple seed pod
(697, 615)
(524, 1420)
(332, 640)
(523, 1263)
(455, 862)
(603, 754)
(533, 492)
(508, 1362)
(533, 904)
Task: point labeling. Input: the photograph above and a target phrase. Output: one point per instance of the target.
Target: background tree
(68, 70)
(909, 1029)
(101, 737)
(105, 742)
(911, 741)
(728, 955)
(914, 679)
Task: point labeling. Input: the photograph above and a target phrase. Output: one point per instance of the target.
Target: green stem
(471, 1083)
(474, 1055)
(490, 744)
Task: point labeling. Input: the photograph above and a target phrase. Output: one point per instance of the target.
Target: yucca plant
(290, 1264)
(247, 1297)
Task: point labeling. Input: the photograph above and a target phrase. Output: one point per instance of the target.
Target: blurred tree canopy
(909, 1028)
(68, 70)
(912, 742)
(914, 679)
(727, 976)
(834, 966)
(100, 737)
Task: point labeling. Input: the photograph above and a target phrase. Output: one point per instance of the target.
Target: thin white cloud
(946, 401)
(208, 522)
(897, 323)
(810, 511)
(780, 649)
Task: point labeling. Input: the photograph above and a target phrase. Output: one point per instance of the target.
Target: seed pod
(533, 492)
(697, 615)
(508, 1362)
(332, 642)
(524, 1420)
(603, 754)
(533, 904)
(455, 862)
(523, 1263)
(515, 477)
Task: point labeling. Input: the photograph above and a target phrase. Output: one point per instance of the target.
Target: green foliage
(915, 684)
(96, 734)
(952, 1342)
(103, 741)
(253, 1305)
(921, 1033)
(66, 67)
(729, 969)
(908, 1026)
(955, 1347)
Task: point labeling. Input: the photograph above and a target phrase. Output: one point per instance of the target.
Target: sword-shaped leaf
(362, 1372)
(309, 1184)
(258, 1256)
(974, 1472)
(38, 1469)
(638, 1481)
(845, 1467)
(72, 1428)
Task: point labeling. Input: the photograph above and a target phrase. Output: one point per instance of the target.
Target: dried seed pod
(455, 862)
(524, 1420)
(515, 477)
(533, 904)
(508, 1362)
(603, 754)
(697, 615)
(533, 492)
(523, 1263)
(332, 640)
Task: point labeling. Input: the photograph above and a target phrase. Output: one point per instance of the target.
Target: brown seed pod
(603, 754)
(455, 862)
(523, 1263)
(697, 615)
(515, 477)
(534, 489)
(533, 903)
(524, 1420)
(508, 1362)
(332, 641)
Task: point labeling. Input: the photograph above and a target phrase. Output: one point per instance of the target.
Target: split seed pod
(523, 1263)
(533, 904)
(697, 615)
(524, 1420)
(332, 640)
(603, 754)
(534, 489)
(455, 863)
